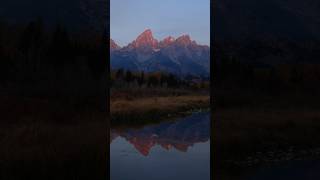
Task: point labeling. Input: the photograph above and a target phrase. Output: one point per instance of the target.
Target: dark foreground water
(165, 151)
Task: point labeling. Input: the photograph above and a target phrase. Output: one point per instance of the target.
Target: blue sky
(129, 18)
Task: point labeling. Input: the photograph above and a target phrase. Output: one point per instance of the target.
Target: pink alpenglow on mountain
(181, 56)
(167, 41)
(145, 39)
(113, 45)
(185, 40)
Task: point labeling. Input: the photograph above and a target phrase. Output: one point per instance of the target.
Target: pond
(169, 150)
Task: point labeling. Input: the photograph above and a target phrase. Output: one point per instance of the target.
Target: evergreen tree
(141, 79)
(129, 77)
(119, 74)
(172, 81)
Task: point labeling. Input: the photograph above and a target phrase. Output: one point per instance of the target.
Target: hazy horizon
(165, 18)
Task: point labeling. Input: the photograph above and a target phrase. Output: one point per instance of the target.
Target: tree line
(121, 78)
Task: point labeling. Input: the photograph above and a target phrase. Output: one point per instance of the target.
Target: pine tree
(141, 79)
(129, 77)
(119, 74)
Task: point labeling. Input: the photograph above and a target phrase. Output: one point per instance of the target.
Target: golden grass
(147, 110)
(163, 104)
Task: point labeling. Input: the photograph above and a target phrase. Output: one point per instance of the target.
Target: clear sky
(129, 18)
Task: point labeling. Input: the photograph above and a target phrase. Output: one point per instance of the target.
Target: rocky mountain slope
(180, 56)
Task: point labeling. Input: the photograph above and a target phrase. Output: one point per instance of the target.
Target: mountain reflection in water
(169, 150)
(180, 134)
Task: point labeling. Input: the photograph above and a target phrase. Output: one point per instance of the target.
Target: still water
(166, 151)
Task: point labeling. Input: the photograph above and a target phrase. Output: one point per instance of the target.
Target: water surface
(165, 151)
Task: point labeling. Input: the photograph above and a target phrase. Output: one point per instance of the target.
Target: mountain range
(180, 56)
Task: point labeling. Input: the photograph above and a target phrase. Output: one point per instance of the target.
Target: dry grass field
(165, 104)
(149, 108)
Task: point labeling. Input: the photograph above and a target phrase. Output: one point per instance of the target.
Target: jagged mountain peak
(145, 39)
(179, 56)
(185, 40)
(147, 32)
(114, 45)
(167, 41)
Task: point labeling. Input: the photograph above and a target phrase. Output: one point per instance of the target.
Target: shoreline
(155, 109)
